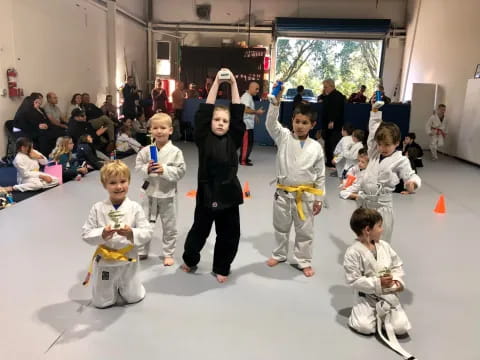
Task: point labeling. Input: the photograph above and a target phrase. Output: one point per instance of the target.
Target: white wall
(234, 11)
(61, 46)
(135, 7)
(445, 51)
(131, 41)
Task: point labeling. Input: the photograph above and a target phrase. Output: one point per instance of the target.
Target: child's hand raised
(127, 232)
(107, 232)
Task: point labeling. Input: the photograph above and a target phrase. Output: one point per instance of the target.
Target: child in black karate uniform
(218, 135)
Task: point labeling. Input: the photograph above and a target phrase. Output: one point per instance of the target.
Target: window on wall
(163, 66)
(308, 62)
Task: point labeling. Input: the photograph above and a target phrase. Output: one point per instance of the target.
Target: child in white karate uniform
(385, 168)
(160, 183)
(345, 142)
(117, 226)
(436, 127)
(27, 162)
(350, 154)
(374, 271)
(350, 189)
(300, 175)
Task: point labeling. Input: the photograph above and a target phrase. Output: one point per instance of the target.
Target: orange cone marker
(246, 191)
(440, 208)
(192, 193)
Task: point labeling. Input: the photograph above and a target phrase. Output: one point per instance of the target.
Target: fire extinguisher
(12, 82)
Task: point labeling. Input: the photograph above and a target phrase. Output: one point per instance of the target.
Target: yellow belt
(298, 198)
(108, 254)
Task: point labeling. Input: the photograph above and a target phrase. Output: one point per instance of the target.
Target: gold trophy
(115, 216)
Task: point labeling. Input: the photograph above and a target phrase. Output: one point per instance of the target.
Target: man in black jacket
(332, 118)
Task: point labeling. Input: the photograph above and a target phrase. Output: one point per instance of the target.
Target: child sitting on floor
(62, 154)
(27, 162)
(351, 184)
(117, 226)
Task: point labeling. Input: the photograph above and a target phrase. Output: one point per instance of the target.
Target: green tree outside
(350, 63)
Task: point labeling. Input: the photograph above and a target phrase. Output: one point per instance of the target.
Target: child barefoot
(300, 184)
(218, 135)
(160, 183)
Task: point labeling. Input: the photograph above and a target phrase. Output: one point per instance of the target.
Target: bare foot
(187, 269)
(308, 271)
(168, 261)
(221, 279)
(405, 193)
(272, 262)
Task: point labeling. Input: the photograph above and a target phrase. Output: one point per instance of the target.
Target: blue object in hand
(153, 153)
(277, 88)
(378, 96)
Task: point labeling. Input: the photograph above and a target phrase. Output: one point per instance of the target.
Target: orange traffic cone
(192, 193)
(246, 191)
(350, 180)
(440, 208)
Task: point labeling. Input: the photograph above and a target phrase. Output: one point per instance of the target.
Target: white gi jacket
(344, 143)
(296, 165)
(381, 177)
(133, 216)
(351, 154)
(171, 158)
(28, 168)
(434, 123)
(362, 271)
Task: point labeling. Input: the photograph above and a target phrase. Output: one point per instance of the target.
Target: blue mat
(8, 177)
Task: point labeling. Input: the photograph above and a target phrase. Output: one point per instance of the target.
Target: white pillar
(112, 47)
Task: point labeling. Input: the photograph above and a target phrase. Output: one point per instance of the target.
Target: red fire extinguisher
(12, 83)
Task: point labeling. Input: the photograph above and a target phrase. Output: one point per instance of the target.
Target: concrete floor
(261, 313)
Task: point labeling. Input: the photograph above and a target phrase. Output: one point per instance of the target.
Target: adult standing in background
(332, 118)
(130, 99)
(358, 97)
(159, 97)
(178, 99)
(249, 120)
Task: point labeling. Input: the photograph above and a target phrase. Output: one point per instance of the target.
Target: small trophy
(116, 215)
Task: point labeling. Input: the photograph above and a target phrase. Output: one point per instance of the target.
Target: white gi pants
(36, 184)
(166, 210)
(364, 318)
(284, 214)
(110, 282)
(436, 141)
(340, 167)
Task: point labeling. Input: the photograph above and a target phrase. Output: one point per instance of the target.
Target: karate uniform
(28, 173)
(351, 155)
(344, 143)
(373, 306)
(381, 177)
(355, 187)
(295, 166)
(437, 130)
(113, 278)
(125, 143)
(161, 193)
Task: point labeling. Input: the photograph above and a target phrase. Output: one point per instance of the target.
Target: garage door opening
(308, 62)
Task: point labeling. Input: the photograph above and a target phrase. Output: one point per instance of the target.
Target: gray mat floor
(261, 313)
